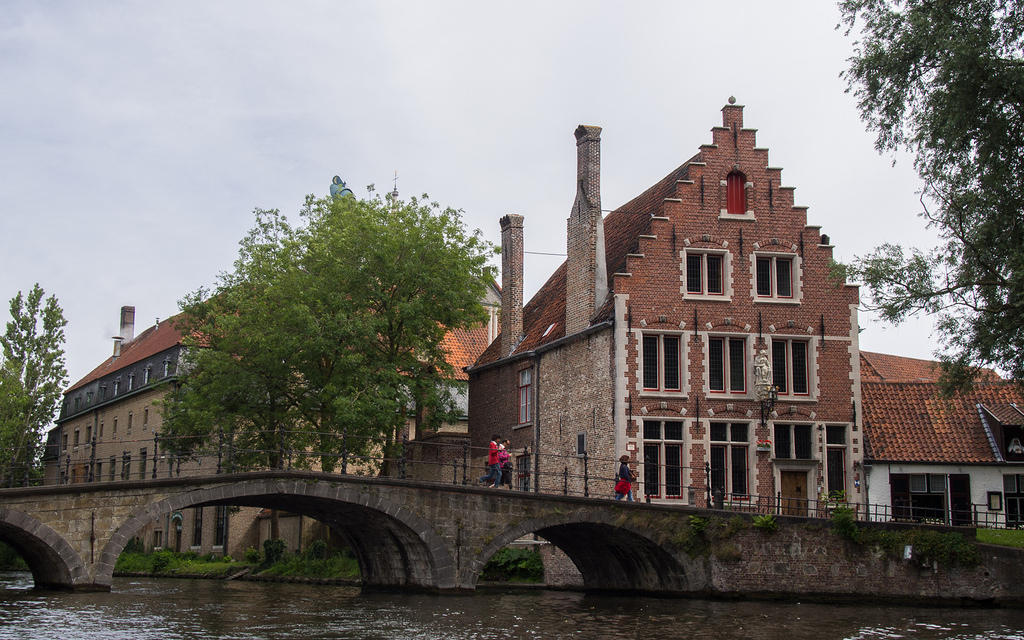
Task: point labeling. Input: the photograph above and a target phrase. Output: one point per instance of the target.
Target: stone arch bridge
(424, 535)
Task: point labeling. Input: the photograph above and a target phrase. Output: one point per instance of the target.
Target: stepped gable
(621, 228)
(150, 342)
(913, 422)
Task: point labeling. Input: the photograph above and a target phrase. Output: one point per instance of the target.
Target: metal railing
(451, 460)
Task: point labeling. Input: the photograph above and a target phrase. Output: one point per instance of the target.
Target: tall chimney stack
(586, 283)
(511, 282)
(127, 323)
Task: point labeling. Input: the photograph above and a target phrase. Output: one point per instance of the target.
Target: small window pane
(937, 483)
(739, 432)
(802, 441)
(784, 277)
(652, 430)
(673, 430)
(717, 468)
(673, 470)
(671, 344)
(716, 364)
(782, 441)
(650, 362)
(1010, 484)
(835, 434)
(737, 368)
(694, 281)
(718, 432)
(651, 469)
(919, 483)
(764, 276)
(739, 470)
(779, 365)
(836, 470)
(799, 367)
(714, 274)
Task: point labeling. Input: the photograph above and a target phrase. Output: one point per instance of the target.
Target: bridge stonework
(418, 535)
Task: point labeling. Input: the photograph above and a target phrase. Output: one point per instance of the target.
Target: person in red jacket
(493, 464)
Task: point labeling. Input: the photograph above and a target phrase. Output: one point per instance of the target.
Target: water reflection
(162, 608)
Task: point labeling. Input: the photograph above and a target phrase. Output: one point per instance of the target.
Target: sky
(138, 137)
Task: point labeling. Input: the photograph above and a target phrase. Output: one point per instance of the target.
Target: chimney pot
(127, 323)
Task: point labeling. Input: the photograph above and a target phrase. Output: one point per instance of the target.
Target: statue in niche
(762, 372)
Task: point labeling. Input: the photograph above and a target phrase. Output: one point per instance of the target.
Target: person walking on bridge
(493, 464)
(624, 480)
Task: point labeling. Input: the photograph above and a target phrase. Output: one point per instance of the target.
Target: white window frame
(661, 466)
(795, 284)
(812, 377)
(524, 396)
(726, 294)
(727, 392)
(660, 390)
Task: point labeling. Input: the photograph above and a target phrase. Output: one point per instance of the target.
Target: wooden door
(960, 514)
(794, 493)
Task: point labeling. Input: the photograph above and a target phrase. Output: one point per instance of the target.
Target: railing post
(156, 453)
(402, 460)
(344, 451)
(586, 475)
(565, 481)
(707, 485)
(220, 447)
(465, 461)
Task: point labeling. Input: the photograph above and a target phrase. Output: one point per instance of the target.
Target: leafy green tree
(945, 80)
(324, 337)
(32, 376)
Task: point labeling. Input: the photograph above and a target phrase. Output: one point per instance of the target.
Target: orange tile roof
(1007, 413)
(880, 367)
(463, 347)
(544, 314)
(148, 343)
(913, 422)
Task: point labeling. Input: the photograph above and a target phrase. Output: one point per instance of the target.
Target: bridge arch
(609, 554)
(53, 562)
(394, 546)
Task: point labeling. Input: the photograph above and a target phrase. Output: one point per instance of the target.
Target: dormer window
(735, 193)
(131, 381)
(167, 367)
(117, 385)
(145, 375)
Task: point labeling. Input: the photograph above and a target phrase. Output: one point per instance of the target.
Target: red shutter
(736, 201)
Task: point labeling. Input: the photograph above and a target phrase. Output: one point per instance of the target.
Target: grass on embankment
(168, 563)
(1004, 537)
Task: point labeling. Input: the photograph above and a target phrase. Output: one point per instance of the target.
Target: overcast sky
(137, 137)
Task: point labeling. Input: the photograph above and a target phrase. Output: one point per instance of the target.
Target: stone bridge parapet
(421, 535)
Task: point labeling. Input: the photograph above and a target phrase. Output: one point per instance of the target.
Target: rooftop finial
(394, 194)
(732, 99)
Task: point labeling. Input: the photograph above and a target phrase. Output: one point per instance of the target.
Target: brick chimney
(586, 283)
(511, 282)
(127, 323)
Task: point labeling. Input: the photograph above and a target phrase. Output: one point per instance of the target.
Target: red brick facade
(703, 281)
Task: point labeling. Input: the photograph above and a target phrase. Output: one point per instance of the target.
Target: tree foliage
(32, 377)
(945, 80)
(326, 335)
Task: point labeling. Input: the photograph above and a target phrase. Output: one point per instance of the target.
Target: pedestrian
(493, 466)
(624, 480)
(505, 460)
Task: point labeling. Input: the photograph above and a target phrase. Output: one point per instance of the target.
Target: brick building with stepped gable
(643, 341)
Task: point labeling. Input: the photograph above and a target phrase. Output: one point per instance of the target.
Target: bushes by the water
(928, 545)
(514, 564)
(10, 559)
(316, 562)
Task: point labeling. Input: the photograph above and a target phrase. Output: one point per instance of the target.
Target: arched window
(735, 195)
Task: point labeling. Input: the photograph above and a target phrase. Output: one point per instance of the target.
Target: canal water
(144, 608)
